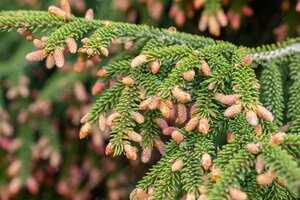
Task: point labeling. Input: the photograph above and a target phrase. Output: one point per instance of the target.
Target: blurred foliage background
(41, 156)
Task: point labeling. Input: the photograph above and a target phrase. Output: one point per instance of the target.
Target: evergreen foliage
(189, 87)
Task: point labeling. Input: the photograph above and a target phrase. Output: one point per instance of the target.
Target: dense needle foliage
(193, 89)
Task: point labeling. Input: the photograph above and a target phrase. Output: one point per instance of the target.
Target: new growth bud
(177, 165)
(237, 194)
(203, 126)
(253, 148)
(177, 136)
(233, 110)
(140, 59)
(59, 59)
(227, 99)
(264, 113)
(155, 66)
(36, 56)
(192, 124)
(206, 161)
(85, 130)
(251, 118)
(180, 95)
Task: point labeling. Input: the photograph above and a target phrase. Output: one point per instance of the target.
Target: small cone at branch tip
(82, 51)
(50, 63)
(139, 194)
(203, 126)
(180, 95)
(215, 174)
(192, 124)
(131, 152)
(264, 113)
(36, 56)
(205, 69)
(111, 118)
(233, 110)
(256, 85)
(202, 189)
(199, 3)
(285, 127)
(90, 51)
(14, 168)
(30, 38)
(177, 136)
(107, 23)
(189, 75)
(14, 186)
(71, 44)
(161, 123)
(203, 22)
(181, 114)
(38, 43)
(97, 88)
(138, 117)
(267, 178)
(237, 194)
(44, 39)
(102, 73)
(193, 109)
(247, 60)
(32, 185)
(172, 29)
(155, 66)
(169, 130)
(203, 197)
(144, 105)
(169, 103)
(206, 162)
(53, 10)
(190, 196)
(251, 118)
(229, 137)
(164, 109)
(140, 59)
(259, 165)
(213, 25)
(177, 165)
(221, 17)
(154, 102)
(65, 6)
(159, 145)
(84, 41)
(89, 15)
(102, 122)
(134, 136)
(85, 130)
(211, 86)
(227, 99)
(253, 148)
(277, 138)
(146, 155)
(128, 81)
(109, 150)
(104, 51)
(258, 129)
(59, 59)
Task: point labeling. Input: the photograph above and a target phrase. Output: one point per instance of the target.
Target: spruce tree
(227, 125)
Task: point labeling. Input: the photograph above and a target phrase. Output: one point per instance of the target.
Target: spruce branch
(191, 88)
